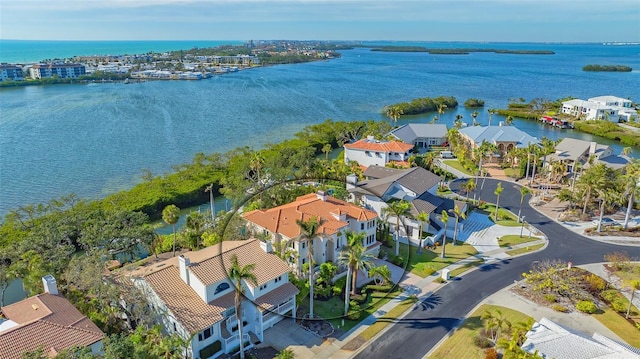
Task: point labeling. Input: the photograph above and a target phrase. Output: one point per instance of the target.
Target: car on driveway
(606, 221)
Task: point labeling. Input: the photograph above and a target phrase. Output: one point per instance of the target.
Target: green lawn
(512, 172)
(619, 325)
(629, 272)
(514, 239)
(465, 267)
(456, 164)
(333, 309)
(429, 261)
(515, 252)
(506, 218)
(460, 344)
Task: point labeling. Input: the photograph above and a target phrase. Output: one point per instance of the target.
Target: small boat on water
(556, 122)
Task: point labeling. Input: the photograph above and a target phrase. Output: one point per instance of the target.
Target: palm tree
(380, 274)
(590, 181)
(355, 257)
(237, 274)
(498, 192)
(422, 217)
(606, 196)
(308, 230)
(474, 115)
(523, 192)
(458, 121)
(509, 120)
(398, 209)
(491, 111)
(170, 215)
(394, 112)
(445, 220)
(632, 172)
(326, 149)
(441, 107)
(458, 213)
(469, 187)
(635, 285)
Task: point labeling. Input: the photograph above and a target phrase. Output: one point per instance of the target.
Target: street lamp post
(522, 227)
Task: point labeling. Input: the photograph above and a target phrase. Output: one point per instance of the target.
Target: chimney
(352, 179)
(592, 148)
(50, 284)
(266, 246)
(184, 263)
(322, 195)
(370, 138)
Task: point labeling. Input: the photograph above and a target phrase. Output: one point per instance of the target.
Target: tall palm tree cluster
(604, 189)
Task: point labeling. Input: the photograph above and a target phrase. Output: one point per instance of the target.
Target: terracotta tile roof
(276, 296)
(48, 321)
(366, 144)
(282, 219)
(209, 265)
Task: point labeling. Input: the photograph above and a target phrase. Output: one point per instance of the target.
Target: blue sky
(411, 20)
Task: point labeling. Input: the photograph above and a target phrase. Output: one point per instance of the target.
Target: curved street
(422, 328)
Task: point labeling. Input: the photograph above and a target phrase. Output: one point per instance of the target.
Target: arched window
(221, 287)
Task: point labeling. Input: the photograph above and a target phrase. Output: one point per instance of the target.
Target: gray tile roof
(416, 179)
(411, 131)
(495, 134)
(426, 202)
(556, 341)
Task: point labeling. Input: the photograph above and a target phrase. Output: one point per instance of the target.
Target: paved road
(422, 328)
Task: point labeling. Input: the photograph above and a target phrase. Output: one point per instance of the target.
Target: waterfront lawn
(460, 344)
(428, 262)
(515, 239)
(456, 164)
(515, 252)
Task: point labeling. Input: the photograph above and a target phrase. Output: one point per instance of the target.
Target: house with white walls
(194, 298)
(47, 321)
(279, 226)
(610, 108)
(415, 185)
(369, 152)
(421, 135)
(572, 152)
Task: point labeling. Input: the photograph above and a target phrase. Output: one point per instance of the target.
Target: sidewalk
(423, 289)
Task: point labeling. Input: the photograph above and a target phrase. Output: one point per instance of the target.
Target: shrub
(473, 102)
(586, 306)
(354, 311)
(596, 284)
(440, 280)
(560, 308)
(491, 353)
(211, 349)
(550, 298)
(337, 291)
(398, 260)
(429, 271)
(285, 354)
(482, 342)
(358, 298)
(377, 288)
(619, 306)
(609, 295)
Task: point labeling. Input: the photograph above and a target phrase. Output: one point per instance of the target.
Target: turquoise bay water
(95, 139)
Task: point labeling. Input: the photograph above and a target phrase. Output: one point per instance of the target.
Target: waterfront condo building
(63, 71)
(46, 321)
(194, 298)
(279, 225)
(369, 151)
(610, 108)
(10, 72)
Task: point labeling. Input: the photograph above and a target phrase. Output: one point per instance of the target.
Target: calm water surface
(96, 139)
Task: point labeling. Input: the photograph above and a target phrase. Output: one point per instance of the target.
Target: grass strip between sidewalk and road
(515, 252)
(466, 267)
(514, 239)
